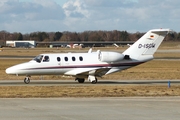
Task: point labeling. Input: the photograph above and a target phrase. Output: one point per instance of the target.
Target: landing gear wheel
(26, 80)
(80, 80)
(94, 81)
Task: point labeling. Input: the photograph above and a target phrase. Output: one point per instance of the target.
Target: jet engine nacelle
(110, 56)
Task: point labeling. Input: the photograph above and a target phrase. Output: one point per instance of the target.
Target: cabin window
(46, 59)
(81, 58)
(58, 59)
(66, 58)
(73, 58)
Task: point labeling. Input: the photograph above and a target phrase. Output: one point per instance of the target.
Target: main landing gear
(27, 80)
(81, 80)
(94, 81)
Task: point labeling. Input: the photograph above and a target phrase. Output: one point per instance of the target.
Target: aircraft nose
(10, 70)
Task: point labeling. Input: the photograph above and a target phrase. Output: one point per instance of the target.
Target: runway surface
(104, 108)
(130, 108)
(100, 82)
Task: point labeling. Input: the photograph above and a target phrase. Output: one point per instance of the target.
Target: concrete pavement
(130, 108)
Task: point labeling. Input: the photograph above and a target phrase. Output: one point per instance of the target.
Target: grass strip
(86, 91)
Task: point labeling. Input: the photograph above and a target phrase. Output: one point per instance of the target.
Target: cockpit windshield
(38, 58)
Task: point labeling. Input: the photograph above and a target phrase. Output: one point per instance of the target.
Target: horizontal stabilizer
(160, 31)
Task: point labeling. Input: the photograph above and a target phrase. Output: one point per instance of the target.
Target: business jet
(91, 65)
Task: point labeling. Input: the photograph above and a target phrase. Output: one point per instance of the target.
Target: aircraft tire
(94, 81)
(26, 80)
(81, 80)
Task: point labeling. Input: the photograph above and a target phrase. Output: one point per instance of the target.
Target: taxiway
(129, 108)
(100, 82)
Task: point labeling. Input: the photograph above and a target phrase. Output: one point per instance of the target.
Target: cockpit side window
(46, 59)
(38, 58)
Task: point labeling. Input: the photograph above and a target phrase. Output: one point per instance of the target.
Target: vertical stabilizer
(147, 44)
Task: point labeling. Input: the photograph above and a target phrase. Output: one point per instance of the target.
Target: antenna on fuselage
(90, 50)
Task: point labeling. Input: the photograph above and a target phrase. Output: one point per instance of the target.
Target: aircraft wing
(88, 71)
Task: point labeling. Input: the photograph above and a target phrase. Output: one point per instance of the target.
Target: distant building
(25, 44)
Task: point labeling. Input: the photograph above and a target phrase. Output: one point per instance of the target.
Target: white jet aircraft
(92, 64)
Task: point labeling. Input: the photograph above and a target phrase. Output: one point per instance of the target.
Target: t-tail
(146, 46)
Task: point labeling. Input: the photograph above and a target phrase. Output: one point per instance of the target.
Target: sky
(28, 16)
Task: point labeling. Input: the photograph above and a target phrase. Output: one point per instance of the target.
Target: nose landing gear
(27, 80)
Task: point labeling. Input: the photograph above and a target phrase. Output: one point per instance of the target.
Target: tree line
(114, 35)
